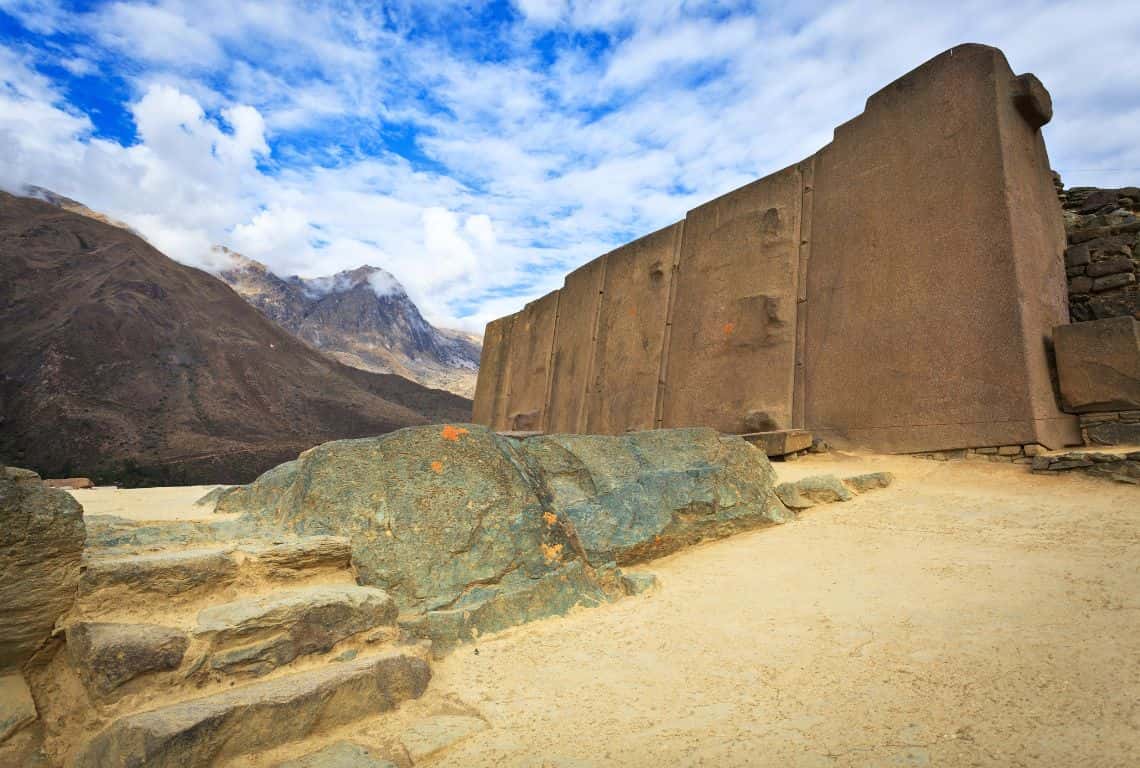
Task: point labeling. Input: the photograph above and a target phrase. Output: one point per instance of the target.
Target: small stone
(17, 708)
(1113, 281)
(636, 583)
(1080, 284)
(1033, 449)
(1074, 272)
(1023, 460)
(1077, 255)
(1111, 266)
(809, 491)
(1041, 463)
(1088, 419)
(1009, 450)
(986, 451)
(868, 481)
(435, 734)
(998, 458)
(1064, 464)
(1130, 417)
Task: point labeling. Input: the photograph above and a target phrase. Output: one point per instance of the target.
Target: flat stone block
(780, 442)
(109, 655)
(1099, 364)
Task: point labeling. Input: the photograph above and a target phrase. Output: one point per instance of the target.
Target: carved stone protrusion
(1033, 100)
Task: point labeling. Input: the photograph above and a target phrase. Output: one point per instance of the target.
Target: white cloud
(277, 128)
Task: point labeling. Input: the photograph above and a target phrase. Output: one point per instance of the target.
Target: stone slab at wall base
(1115, 428)
(894, 291)
(1098, 364)
(780, 443)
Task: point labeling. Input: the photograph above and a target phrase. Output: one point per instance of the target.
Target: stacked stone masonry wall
(1103, 254)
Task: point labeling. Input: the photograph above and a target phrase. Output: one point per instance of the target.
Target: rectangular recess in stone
(573, 353)
(731, 355)
(631, 331)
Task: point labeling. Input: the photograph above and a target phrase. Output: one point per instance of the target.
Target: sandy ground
(147, 503)
(972, 614)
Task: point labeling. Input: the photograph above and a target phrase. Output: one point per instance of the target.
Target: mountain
(121, 363)
(364, 318)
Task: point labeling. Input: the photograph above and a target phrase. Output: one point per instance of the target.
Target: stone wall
(1103, 255)
(896, 290)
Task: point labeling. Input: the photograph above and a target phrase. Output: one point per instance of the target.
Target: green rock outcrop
(471, 531)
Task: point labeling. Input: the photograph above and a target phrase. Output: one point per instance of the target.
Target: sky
(479, 151)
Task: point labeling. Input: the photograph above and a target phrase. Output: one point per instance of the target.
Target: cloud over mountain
(480, 151)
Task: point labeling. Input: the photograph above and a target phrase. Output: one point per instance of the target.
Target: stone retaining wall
(1103, 256)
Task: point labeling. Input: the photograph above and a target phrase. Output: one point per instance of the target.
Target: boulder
(818, 489)
(40, 551)
(107, 655)
(429, 510)
(471, 531)
(638, 496)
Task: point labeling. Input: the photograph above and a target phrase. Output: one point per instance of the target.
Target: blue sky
(480, 150)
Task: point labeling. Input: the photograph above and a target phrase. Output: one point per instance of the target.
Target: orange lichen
(452, 433)
(550, 518)
(552, 553)
(437, 467)
(729, 328)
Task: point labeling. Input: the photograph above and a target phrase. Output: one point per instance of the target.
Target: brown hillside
(120, 363)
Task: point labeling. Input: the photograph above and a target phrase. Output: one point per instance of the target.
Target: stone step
(258, 634)
(170, 577)
(260, 715)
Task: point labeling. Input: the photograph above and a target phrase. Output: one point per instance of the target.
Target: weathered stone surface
(483, 532)
(108, 655)
(1115, 433)
(17, 708)
(1098, 363)
(258, 634)
(1113, 281)
(211, 497)
(296, 559)
(809, 491)
(633, 497)
(169, 574)
(1121, 466)
(516, 600)
(340, 754)
(1111, 266)
(429, 510)
(41, 542)
(868, 481)
(263, 493)
(435, 734)
(258, 716)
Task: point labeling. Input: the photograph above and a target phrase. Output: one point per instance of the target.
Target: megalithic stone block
(896, 290)
(1098, 364)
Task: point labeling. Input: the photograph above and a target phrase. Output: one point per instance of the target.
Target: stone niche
(896, 290)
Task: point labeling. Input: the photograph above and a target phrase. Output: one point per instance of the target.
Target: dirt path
(972, 614)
